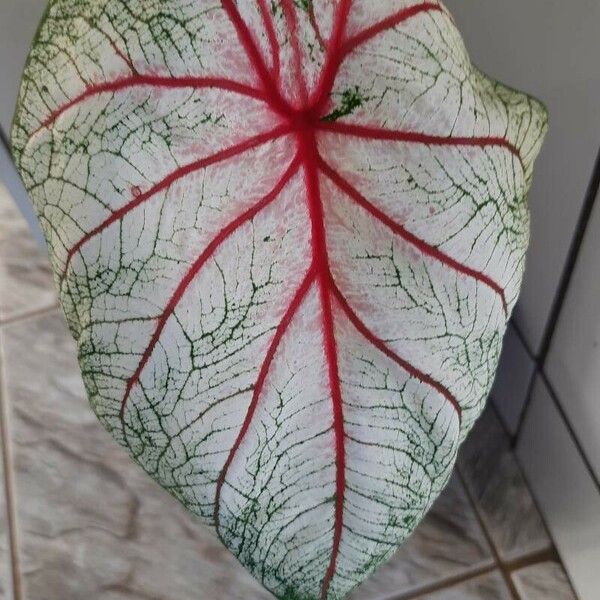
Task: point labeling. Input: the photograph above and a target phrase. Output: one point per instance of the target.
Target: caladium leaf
(287, 238)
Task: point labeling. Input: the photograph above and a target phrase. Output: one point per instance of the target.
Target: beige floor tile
(447, 543)
(544, 581)
(25, 280)
(495, 481)
(92, 524)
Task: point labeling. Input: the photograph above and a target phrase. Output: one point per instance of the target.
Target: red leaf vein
(425, 248)
(383, 347)
(416, 137)
(153, 81)
(193, 271)
(309, 152)
(167, 181)
(283, 326)
(386, 24)
(292, 24)
(270, 88)
(267, 18)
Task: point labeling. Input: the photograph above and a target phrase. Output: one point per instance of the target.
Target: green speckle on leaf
(208, 117)
(303, 5)
(351, 99)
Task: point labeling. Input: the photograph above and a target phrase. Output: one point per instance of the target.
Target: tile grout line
(556, 555)
(505, 568)
(527, 560)
(9, 484)
(581, 230)
(531, 559)
(444, 583)
(590, 201)
(551, 554)
(505, 429)
(496, 555)
(508, 567)
(537, 556)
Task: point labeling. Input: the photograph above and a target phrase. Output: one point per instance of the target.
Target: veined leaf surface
(287, 238)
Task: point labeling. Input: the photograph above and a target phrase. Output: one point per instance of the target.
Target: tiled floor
(90, 524)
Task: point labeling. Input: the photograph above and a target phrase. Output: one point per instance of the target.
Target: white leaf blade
(287, 237)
